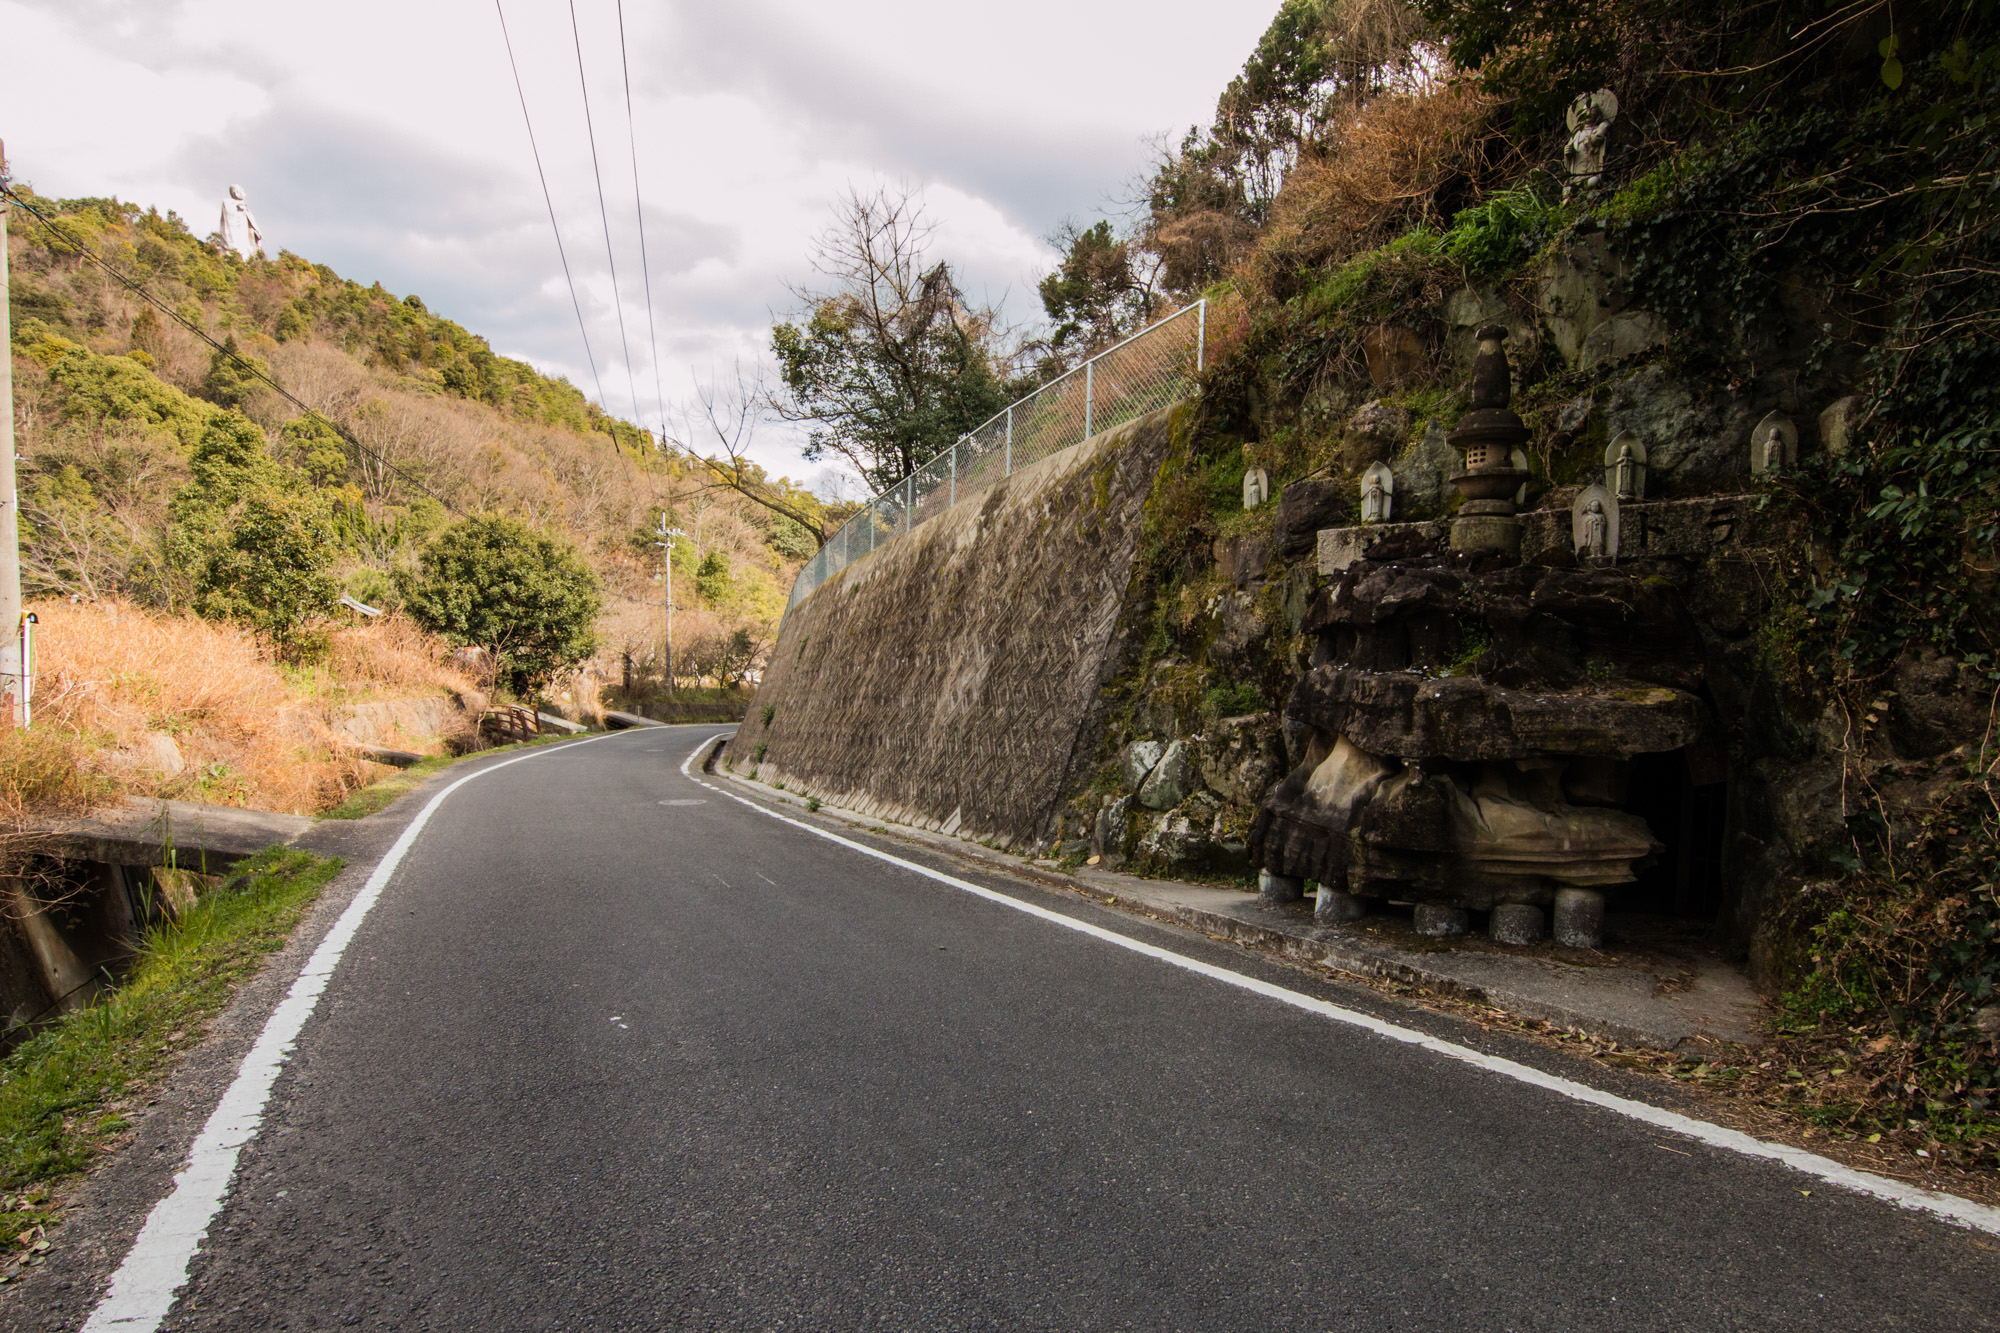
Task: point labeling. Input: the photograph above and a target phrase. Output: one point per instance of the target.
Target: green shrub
(524, 596)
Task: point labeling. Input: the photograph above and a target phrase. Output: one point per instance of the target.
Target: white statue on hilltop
(239, 228)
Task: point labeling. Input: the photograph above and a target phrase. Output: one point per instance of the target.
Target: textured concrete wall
(953, 679)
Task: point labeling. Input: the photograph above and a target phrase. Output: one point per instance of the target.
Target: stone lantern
(1488, 434)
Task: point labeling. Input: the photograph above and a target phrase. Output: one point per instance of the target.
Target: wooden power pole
(13, 629)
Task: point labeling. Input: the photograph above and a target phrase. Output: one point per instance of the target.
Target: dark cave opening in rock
(1684, 881)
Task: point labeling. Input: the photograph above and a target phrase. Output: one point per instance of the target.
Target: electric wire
(603, 213)
(639, 203)
(549, 200)
(249, 367)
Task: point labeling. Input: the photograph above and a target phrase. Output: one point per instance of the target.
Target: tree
(523, 595)
(251, 542)
(712, 582)
(725, 417)
(889, 365)
(1317, 62)
(315, 448)
(270, 571)
(231, 377)
(1093, 297)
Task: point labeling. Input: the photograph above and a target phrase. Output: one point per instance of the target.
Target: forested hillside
(145, 450)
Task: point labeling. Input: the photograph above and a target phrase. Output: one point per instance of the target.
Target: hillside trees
(412, 421)
(250, 542)
(1316, 64)
(888, 364)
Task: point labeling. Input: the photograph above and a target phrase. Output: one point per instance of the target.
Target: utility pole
(666, 545)
(13, 629)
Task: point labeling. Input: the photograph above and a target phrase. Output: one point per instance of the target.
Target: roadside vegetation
(70, 1092)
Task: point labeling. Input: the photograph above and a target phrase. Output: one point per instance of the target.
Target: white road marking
(1948, 1207)
(142, 1291)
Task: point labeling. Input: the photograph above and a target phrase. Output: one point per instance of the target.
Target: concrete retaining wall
(954, 678)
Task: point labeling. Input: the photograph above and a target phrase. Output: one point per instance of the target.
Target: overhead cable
(603, 213)
(549, 200)
(645, 265)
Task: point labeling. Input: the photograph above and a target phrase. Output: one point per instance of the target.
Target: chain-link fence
(1151, 369)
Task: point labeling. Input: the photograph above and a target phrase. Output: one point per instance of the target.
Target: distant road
(613, 1051)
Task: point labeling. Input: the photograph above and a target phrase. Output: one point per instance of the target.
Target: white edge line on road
(143, 1289)
(1948, 1207)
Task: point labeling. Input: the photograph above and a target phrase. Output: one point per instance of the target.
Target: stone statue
(1256, 487)
(1378, 494)
(239, 228)
(1837, 423)
(1596, 532)
(1590, 117)
(1774, 444)
(1625, 467)
(1594, 524)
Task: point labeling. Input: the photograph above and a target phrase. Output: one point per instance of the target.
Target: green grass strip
(377, 796)
(70, 1091)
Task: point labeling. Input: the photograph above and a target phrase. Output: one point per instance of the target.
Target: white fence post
(1201, 335)
(954, 474)
(1089, 392)
(1008, 469)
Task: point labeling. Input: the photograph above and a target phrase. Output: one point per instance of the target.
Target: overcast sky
(384, 137)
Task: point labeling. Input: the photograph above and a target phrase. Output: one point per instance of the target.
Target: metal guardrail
(1153, 368)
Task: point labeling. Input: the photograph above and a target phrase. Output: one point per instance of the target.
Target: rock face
(1471, 723)
(953, 679)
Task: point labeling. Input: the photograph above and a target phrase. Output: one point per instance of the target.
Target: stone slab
(193, 836)
(1648, 529)
(1341, 547)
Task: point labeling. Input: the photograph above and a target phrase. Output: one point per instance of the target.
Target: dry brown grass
(1396, 162)
(172, 706)
(394, 654)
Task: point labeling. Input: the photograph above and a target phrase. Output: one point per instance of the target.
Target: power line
(249, 367)
(602, 213)
(549, 199)
(645, 265)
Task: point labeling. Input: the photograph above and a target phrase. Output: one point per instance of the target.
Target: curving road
(614, 1050)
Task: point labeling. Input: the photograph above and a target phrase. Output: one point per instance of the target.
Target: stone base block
(1336, 907)
(1441, 922)
(1580, 918)
(1486, 532)
(1277, 890)
(1515, 923)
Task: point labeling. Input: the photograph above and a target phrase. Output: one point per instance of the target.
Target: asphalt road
(615, 1052)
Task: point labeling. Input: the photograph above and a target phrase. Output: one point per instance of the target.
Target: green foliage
(1232, 700)
(106, 392)
(766, 713)
(1093, 298)
(255, 543)
(887, 403)
(712, 581)
(1908, 524)
(525, 596)
(65, 1093)
(311, 444)
(232, 375)
(270, 570)
(1496, 236)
